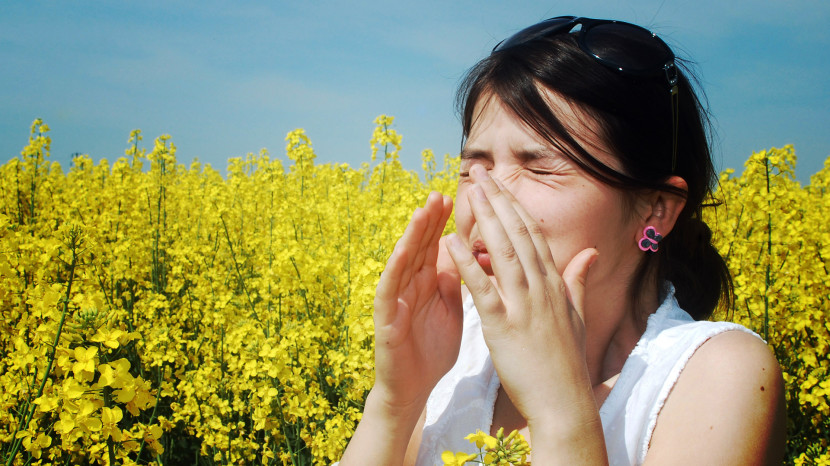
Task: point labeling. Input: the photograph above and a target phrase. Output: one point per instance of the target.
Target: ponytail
(688, 259)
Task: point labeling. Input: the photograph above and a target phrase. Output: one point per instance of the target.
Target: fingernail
(479, 172)
(593, 259)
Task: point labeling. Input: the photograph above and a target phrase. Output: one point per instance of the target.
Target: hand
(531, 316)
(418, 316)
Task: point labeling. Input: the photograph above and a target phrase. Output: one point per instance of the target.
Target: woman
(590, 274)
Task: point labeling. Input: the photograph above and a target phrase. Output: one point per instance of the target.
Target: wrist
(384, 431)
(382, 404)
(572, 435)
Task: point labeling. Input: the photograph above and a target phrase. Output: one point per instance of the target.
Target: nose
(506, 175)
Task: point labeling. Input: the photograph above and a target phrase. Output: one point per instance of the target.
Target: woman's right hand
(418, 315)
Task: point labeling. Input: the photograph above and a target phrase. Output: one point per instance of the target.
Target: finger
(546, 263)
(433, 207)
(433, 248)
(576, 275)
(516, 226)
(418, 240)
(449, 280)
(504, 255)
(485, 295)
(386, 294)
(400, 263)
(445, 263)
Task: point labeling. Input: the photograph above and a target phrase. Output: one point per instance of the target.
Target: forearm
(383, 434)
(569, 438)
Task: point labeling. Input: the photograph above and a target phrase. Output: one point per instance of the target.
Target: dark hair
(634, 116)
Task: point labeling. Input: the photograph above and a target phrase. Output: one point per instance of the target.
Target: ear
(664, 208)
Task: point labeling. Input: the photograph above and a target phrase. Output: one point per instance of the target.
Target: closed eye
(544, 172)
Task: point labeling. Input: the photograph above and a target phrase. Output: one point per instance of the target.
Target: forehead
(576, 121)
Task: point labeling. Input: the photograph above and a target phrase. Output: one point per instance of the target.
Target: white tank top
(462, 401)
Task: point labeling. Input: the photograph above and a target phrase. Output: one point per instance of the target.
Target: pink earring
(650, 240)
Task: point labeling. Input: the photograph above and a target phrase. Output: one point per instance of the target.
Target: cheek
(545, 212)
(566, 227)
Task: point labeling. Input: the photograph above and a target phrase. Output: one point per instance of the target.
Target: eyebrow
(475, 154)
(525, 155)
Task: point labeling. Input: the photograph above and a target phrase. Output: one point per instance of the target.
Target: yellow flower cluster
(498, 450)
(774, 235)
(153, 312)
(383, 136)
(157, 313)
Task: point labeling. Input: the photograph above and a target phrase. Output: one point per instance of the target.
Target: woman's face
(573, 210)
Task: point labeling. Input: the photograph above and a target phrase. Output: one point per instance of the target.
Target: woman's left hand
(531, 315)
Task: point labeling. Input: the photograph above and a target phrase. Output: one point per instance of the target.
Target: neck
(613, 326)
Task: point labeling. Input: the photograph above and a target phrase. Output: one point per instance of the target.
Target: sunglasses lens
(627, 47)
(536, 31)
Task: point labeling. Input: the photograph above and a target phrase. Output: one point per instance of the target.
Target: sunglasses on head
(624, 47)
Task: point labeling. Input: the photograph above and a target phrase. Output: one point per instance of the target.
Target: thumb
(449, 278)
(445, 264)
(575, 276)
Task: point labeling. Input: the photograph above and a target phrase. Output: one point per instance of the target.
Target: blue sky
(228, 78)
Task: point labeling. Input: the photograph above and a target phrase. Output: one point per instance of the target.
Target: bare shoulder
(727, 407)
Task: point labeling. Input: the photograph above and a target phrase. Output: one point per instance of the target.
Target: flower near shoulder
(481, 440)
(500, 450)
(457, 459)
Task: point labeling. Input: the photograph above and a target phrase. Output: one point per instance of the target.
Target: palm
(418, 309)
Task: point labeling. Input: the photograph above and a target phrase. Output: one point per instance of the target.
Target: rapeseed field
(159, 313)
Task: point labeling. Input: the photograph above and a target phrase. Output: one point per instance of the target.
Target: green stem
(34, 189)
(107, 392)
(152, 416)
(238, 272)
(19, 197)
(270, 262)
(303, 291)
(284, 428)
(385, 158)
(767, 281)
